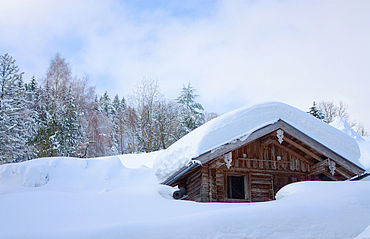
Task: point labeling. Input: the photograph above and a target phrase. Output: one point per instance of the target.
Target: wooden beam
(343, 173)
(320, 148)
(320, 167)
(327, 174)
(303, 149)
(300, 157)
(257, 170)
(212, 154)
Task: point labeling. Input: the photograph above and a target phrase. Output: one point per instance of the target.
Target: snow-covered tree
(15, 117)
(52, 138)
(105, 105)
(119, 119)
(146, 96)
(316, 112)
(191, 112)
(71, 135)
(167, 124)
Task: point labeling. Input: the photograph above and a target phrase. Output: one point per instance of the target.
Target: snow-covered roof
(362, 141)
(240, 123)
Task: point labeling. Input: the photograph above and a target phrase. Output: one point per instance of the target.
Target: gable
(294, 143)
(283, 154)
(244, 125)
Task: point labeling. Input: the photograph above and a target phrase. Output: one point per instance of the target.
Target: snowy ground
(117, 197)
(120, 197)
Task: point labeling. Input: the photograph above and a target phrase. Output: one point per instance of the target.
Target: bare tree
(210, 116)
(329, 109)
(167, 123)
(342, 111)
(360, 129)
(131, 130)
(146, 96)
(57, 79)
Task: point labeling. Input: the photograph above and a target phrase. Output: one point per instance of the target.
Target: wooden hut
(253, 169)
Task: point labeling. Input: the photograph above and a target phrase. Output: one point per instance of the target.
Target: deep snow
(120, 197)
(239, 123)
(102, 198)
(362, 141)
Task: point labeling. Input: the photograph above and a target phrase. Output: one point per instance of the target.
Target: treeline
(63, 116)
(327, 111)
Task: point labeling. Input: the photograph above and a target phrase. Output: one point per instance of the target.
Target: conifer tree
(105, 105)
(191, 112)
(14, 116)
(316, 112)
(70, 127)
(118, 133)
(50, 138)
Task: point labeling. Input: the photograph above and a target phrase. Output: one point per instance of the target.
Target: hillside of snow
(119, 197)
(240, 123)
(362, 141)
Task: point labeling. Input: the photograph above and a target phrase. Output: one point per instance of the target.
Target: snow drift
(119, 196)
(240, 124)
(363, 142)
(103, 198)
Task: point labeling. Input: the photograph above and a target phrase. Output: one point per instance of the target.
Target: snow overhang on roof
(240, 123)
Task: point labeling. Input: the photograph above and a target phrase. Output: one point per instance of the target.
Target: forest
(62, 115)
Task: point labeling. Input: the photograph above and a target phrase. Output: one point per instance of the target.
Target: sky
(234, 53)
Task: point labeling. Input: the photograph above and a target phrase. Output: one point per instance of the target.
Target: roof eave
(181, 172)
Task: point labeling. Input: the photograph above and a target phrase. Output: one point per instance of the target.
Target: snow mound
(342, 125)
(239, 124)
(102, 198)
(365, 234)
(137, 160)
(69, 174)
(365, 153)
(363, 142)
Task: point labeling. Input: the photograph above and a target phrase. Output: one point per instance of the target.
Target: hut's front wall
(257, 171)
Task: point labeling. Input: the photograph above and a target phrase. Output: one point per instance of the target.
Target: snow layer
(365, 234)
(365, 153)
(102, 198)
(240, 124)
(363, 142)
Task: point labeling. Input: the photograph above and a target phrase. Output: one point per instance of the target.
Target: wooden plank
(260, 190)
(343, 173)
(238, 143)
(303, 149)
(261, 182)
(320, 148)
(291, 152)
(322, 164)
(289, 130)
(327, 174)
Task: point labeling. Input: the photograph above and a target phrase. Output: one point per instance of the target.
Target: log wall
(265, 164)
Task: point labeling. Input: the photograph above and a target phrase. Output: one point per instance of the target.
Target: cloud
(233, 52)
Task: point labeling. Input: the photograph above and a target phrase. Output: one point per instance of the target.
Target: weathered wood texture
(266, 166)
(192, 184)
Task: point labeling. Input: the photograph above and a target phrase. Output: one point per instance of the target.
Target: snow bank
(363, 142)
(365, 234)
(70, 174)
(137, 160)
(102, 198)
(365, 153)
(239, 124)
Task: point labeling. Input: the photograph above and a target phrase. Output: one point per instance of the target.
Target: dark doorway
(236, 187)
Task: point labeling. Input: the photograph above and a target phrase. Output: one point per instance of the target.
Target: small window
(236, 187)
